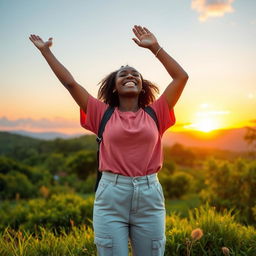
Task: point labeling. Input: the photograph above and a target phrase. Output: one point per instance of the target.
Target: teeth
(130, 83)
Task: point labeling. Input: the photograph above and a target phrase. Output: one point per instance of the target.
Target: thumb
(49, 42)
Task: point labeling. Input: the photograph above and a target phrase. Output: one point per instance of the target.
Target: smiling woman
(129, 200)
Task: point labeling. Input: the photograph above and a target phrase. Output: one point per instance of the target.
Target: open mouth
(129, 84)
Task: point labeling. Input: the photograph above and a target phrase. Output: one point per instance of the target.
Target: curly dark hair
(107, 85)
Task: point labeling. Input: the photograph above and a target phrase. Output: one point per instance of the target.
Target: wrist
(45, 50)
(154, 48)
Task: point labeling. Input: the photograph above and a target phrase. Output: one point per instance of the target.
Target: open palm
(39, 43)
(144, 38)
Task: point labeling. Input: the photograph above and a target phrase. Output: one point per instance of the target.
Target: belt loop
(148, 181)
(116, 179)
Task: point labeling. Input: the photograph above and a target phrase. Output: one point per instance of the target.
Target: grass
(219, 230)
(182, 206)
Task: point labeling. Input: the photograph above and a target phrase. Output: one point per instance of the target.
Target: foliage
(30, 150)
(175, 185)
(17, 179)
(217, 230)
(53, 213)
(180, 154)
(82, 163)
(250, 136)
(78, 242)
(231, 185)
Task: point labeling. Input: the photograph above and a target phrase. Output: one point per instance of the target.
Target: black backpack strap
(103, 123)
(152, 113)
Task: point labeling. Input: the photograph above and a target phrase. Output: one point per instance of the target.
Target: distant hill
(20, 146)
(230, 139)
(45, 135)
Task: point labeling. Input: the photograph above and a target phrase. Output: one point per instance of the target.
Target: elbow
(69, 84)
(182, 78)
(185, 76)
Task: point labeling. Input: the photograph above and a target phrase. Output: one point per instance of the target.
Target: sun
(207, 125)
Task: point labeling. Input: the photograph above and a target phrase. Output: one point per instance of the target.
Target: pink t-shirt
(131, 143)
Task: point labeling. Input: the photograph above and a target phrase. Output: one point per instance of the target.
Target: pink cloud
(212, 8)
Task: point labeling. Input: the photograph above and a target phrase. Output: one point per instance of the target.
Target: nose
(129, 75)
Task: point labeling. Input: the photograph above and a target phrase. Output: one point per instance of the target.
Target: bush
(82, 163)
(81, 186)
(15, 184)
(59, 211)
(20, 180)
(175, 185)
(231, 185)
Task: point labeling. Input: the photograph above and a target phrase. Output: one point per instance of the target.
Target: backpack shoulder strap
(109, 111)
(149, 110)
(103, 122)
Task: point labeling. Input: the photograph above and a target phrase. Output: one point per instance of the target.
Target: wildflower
(19, 234)
(44, 191)
(196, 234)
(225, 251)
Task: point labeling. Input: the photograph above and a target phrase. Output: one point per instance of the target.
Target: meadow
(46, 192)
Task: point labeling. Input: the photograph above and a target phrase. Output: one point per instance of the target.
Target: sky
(213, 40)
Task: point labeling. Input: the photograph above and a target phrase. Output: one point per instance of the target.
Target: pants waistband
(121, 179)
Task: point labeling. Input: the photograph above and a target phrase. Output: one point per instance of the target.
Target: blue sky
(214, 41)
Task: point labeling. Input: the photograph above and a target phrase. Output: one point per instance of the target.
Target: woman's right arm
(79, 94)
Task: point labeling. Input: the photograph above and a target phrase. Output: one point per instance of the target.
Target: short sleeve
(94, 113)
(165, 116)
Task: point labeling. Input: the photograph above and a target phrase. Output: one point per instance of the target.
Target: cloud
(212, 113)
(29, 123)
(211, 8)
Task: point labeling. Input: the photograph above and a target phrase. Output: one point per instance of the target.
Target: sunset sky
(213, 40)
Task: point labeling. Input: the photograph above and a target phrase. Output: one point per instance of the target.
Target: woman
(129, 202)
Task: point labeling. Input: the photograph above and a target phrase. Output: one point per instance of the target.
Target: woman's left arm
(147, 40)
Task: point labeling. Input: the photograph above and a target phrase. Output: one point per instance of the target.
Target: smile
(129, 83)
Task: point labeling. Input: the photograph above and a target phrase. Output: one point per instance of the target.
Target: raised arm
(79, 94)
(173, 91)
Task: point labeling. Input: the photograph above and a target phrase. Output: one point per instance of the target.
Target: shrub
(15, 184)
(54, 213)
(82, 163)
(175, 185)
(231, 185)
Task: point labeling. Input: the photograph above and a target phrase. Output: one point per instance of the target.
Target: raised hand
(39, 43)
(145, 38)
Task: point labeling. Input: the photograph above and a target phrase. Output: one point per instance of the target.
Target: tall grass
(204, 232)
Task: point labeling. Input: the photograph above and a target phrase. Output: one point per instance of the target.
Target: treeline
(32, 168)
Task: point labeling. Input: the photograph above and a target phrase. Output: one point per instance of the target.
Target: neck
(128, 104)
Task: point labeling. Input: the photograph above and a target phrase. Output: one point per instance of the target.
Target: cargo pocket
(158, 246)
(104, 246)
(102, 186)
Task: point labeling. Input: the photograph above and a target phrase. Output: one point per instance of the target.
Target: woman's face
(128, 81)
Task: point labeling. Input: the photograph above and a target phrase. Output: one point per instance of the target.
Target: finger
(138, 30)
(136, 41)
(141, 30)
(146, 30)
(135, 31)
(33, 37)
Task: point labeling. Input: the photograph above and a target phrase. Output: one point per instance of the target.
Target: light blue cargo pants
(129, 208)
